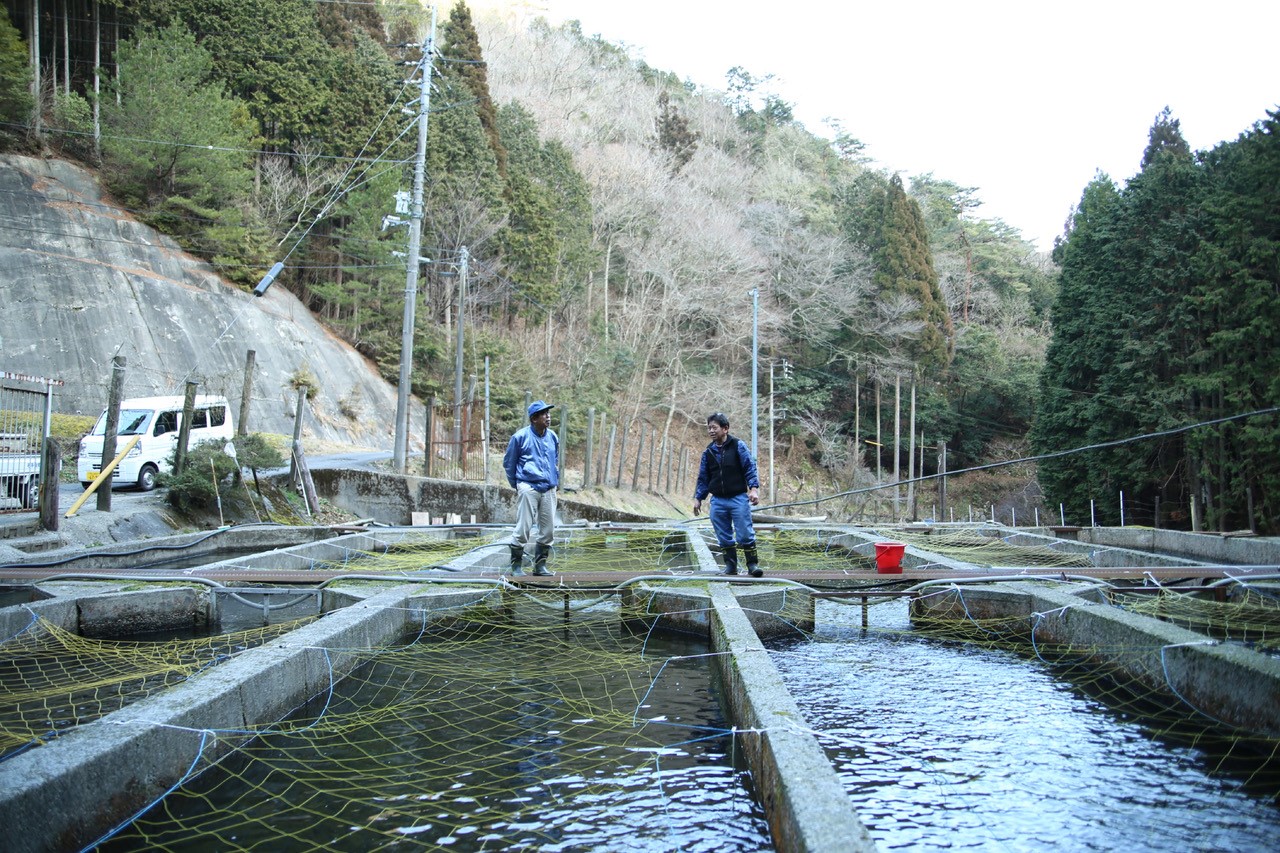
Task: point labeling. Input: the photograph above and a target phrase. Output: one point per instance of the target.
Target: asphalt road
(124, 496)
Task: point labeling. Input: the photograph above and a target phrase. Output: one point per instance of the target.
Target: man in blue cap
(532, 462)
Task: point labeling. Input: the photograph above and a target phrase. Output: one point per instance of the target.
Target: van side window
(165, 422)
(200, 419)
(217, 415)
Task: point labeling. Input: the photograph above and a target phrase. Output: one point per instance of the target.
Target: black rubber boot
(517, 557)
(540, 561)
(753, 560)
(730, 560)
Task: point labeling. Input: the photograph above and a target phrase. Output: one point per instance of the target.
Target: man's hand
(697, 507)
(753, 496)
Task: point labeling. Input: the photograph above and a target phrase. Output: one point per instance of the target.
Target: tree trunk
(34, 49)
(97, 80)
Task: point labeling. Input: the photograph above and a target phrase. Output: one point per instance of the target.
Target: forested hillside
(621, 234)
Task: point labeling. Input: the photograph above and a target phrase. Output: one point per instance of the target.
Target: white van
(157, 420)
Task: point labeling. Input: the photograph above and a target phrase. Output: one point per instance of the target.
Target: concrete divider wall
(1225, 681)
(144, 611)
(1116, 555)
(127, 555)
(1211, 548)
(108, 611)
(806, 804)
(66, 793)
(772, 609)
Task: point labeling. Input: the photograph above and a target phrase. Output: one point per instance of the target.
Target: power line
(1056, 454)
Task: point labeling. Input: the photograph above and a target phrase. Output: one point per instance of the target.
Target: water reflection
(949, 745)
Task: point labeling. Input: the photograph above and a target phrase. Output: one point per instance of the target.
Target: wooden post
(664, 468)
(911, 457)
(49, 467)
(681, 480)
(857, 416)
(428, 464)
(466, 422)
(602, 464)
(942, 480)
(112, 425)
(635, 474)
(297, 433)
(608, 460)
(897, 447)
(308, 486)
(564, 431)
(622, 455)
(184, 428)
(653, 443)
(591, 439)
(242, 425)
(879, 445)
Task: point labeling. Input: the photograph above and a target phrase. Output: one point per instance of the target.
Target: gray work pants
(534, 507)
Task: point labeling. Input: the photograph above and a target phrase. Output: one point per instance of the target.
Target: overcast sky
(1025, 101)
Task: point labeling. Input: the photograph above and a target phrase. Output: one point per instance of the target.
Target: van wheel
(29, 494)
(85, 484)
(147, 477)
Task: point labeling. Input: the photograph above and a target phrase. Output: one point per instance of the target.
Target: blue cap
(538, 406)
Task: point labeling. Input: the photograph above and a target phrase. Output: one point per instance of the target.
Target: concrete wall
(1225, 681)
(392, 498)
(1211, 548)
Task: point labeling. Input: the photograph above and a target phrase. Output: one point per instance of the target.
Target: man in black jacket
(728, 474)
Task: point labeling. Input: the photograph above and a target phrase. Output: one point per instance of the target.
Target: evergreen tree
(1083, 347)
(548, 233)
(675, 137)
(1237, 285)
(904, 266)
(461, 164)
(1167, 319)
(363, 84)
(179, 148)
(460, 51)
(16, 102)
(271, 55)
(1165, 136)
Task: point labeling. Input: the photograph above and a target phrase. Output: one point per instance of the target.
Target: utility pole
(457, 356)
(400, 451)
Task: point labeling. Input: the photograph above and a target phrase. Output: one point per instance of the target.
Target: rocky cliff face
(82, 281)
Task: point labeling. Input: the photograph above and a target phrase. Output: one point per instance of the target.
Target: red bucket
(889, 557)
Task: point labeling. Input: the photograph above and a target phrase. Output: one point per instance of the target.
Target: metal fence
(25, 412)
(635, 457)
(455, 441)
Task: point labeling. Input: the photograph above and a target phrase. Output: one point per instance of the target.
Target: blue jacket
(533, 459)
(711, 468)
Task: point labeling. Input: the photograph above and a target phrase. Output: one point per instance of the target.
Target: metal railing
(25, 413)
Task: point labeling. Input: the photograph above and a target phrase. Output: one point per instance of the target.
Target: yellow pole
(102, 476)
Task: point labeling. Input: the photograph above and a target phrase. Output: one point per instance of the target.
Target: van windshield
(132, 422)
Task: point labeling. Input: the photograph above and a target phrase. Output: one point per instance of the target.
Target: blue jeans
(729, 515)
